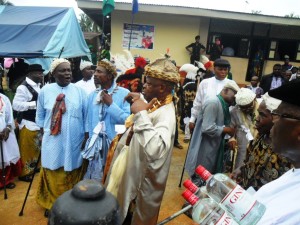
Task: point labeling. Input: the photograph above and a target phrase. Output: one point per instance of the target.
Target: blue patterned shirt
(62, 150)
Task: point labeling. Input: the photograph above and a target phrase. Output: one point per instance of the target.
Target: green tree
(292, 15)
(87, 24)
(4, 2)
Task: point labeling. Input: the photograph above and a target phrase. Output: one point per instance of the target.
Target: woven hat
(232, 85)
(163, 69)
(84, 64)
(110, 68)
(244, 96)
(56, 62)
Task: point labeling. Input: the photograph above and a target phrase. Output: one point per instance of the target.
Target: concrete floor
(34, 214)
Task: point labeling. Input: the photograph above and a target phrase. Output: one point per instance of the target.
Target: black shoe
(46, 214)
(178, 145)
(26, 178)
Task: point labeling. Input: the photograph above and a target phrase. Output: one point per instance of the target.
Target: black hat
(221, 63)
(35, 67)
(288, 92)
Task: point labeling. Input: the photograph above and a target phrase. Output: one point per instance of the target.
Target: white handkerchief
(249, 136)
(99, 128)
(120, 129)
(186, 120)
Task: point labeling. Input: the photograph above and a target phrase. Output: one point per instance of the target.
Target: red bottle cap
(190, 197)
(203, 173)
(188, 184)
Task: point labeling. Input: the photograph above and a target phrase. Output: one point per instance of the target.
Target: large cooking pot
(86, 204)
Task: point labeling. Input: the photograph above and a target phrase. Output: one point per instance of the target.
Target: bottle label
(212, 217)
(226, 220)
(238, 203)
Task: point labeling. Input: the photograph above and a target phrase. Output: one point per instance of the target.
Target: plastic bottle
(243, 207)
(206, 211)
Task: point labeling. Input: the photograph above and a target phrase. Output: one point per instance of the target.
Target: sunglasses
(285, 116)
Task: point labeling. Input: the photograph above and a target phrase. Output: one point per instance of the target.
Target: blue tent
(33, 32)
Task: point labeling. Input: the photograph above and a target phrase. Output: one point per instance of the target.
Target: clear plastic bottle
(243, 207)
(206, 211)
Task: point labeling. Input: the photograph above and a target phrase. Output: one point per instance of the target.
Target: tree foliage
(4, 2)
(292, 15)
(87, 24)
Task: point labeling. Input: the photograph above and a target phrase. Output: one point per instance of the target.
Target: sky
(266, 7)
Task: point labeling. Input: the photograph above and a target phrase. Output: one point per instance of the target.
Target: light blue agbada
(97, 146)
(62, 150)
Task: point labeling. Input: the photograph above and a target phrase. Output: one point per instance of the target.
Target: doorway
(257, 56)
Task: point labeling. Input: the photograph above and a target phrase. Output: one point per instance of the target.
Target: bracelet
(9, 129)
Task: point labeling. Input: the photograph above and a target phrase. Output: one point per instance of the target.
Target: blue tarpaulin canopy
(33, 32)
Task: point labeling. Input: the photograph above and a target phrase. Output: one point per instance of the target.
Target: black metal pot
(86, 204)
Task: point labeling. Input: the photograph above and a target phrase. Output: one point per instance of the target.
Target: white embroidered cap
(56, 62)
(244, 96)
(271, 103)
(84, 64)
(232, 85)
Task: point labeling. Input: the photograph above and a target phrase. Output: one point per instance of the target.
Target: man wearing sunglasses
(281, 197)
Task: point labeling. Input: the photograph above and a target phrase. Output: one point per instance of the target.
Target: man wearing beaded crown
(150, 136)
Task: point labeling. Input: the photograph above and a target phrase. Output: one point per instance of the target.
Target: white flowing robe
(281, 198)
(11, 153)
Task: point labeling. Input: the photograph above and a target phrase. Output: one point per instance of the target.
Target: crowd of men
(108, 129)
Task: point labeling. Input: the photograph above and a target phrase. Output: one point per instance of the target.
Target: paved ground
(34, 214)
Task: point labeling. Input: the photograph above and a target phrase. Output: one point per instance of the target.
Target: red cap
(190, 197)
(203, 173)
(188, 184)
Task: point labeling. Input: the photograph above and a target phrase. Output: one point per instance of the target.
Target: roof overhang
(89, 6)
